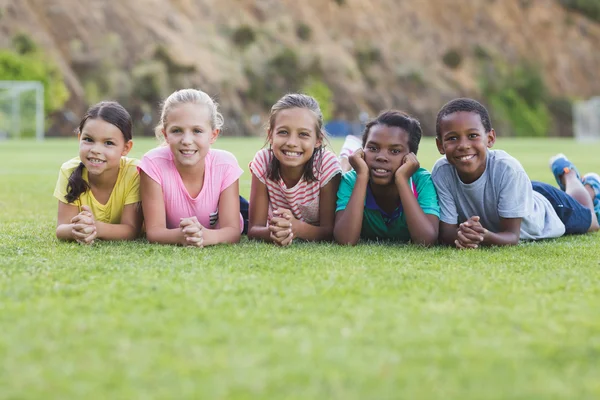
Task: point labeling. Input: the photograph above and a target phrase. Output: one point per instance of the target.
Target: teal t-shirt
(379, 225)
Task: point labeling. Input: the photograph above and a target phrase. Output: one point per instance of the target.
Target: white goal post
(586, 120)
(12, 113)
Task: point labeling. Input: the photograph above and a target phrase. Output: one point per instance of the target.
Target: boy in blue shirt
(486, 198)
(387, 195)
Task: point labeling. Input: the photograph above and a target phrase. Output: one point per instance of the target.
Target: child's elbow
(344, 239)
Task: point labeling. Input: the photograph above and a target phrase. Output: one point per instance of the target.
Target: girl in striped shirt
(295, 180)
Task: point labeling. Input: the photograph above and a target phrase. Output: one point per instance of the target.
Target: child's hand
(470, 234)
(192, 232)
(84, 226)
(280, 227)
(357, 161)
(410, 165)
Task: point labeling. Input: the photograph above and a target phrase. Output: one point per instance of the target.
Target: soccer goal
(586, 120)
(21, 109)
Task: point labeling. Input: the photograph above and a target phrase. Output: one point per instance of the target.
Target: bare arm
(324, 231)
(348, 222)
(128, 229)
(423, 228)
(509, 235)
(258, 211)
(448, 233)
(153, 206)
(64, 226)
(229, 218)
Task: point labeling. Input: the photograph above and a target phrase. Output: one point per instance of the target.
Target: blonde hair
(193, 96)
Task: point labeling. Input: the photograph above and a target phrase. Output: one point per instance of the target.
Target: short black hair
(401, 120)
(466, 105)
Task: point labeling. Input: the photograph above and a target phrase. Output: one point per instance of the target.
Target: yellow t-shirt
(126, 190)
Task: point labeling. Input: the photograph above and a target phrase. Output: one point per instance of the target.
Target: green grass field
(313, 321)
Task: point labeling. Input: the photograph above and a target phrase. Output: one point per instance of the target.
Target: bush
(322, 93)
(452, 59)
(243, 36)
(518, 98)
(24, 44)
(588, 8)
(35, 67)
(303, 31)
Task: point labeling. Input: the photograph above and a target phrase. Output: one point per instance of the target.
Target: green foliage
(367, 56)
(518, 98)
(322, 93)
(243, 36)
(481, 53)
(35, 67)
(255, 321)
(588, 8)
(304, 31)
(283, 73)
(24, 44)
(452, 58)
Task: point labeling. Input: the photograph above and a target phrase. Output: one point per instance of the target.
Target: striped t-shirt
(302, 199)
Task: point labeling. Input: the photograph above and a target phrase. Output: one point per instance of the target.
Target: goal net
(586, 120)
(21, 109)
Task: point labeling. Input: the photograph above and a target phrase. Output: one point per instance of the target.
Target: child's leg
(576, 189)
(351, 144)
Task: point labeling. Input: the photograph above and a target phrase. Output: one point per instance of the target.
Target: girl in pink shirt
(190, 192)
(294, 181)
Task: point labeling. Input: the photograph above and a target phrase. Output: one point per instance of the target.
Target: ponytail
(77, 185)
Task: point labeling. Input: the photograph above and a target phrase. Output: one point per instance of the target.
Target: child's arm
(229, 218)
(509, 235)
(327, 198)
(153, 206)
(128, 229)
(423, 228)
(258, 211)
(348, 222)
(67, 229)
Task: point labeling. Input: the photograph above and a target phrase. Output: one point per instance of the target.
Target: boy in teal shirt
(387, 195)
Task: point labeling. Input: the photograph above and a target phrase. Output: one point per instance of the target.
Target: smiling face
(189, 133)
(464, 141)
(101, 145)
(294, 137)
(384, 150)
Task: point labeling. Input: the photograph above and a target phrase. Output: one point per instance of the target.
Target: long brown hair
(111, 112)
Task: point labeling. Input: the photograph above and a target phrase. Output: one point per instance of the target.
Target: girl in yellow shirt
(98, 192)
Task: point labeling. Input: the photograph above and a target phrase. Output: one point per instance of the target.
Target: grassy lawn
(378, 321)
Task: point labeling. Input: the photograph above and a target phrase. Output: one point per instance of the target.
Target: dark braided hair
(466, 105)
(297, 100)
(401, 120)
(111, 112)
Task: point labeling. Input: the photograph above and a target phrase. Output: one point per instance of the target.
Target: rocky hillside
(369, 54)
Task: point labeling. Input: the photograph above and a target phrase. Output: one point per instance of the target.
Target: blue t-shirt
(377, 224)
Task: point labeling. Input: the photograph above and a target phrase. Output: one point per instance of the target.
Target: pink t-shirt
(221, 169)
(302, 199)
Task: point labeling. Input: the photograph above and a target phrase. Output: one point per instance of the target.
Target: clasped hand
(470, 234)
(84, 226)
(192, 232)
(281, 227)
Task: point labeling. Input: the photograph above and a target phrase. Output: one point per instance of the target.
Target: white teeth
(380, 170)
(292, 153)
(465, 158)
(95, 160)
(188, 152)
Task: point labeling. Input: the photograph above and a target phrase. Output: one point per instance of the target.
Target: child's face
(189, 134)
(293, 137)
(101, 145)
(464, 141)
(384, 150)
